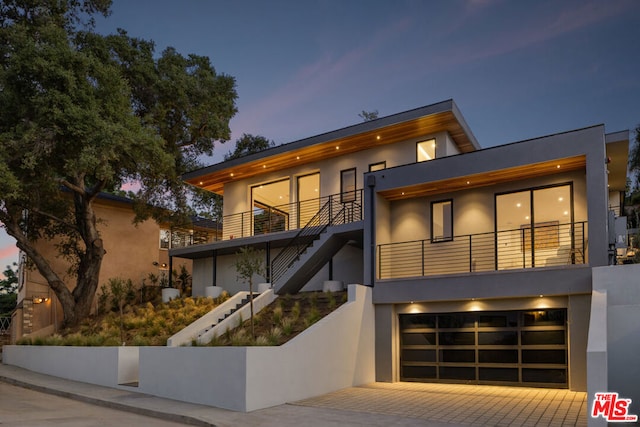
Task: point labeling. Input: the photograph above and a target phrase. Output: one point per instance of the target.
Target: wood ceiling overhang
(327, 146)
(487, 178)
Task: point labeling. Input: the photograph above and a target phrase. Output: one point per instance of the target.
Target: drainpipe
(371, 183)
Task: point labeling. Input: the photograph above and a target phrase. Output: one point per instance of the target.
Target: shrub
(277, 314)
(274, 335)
(295, 311)
(312, 317)
(287, 326)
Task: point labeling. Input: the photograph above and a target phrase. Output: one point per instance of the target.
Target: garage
(507, 347)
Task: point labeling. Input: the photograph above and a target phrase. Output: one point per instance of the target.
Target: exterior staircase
(204, 325)
(314, 245)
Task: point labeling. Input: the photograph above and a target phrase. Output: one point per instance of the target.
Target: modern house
(131, 253)
(480, 260)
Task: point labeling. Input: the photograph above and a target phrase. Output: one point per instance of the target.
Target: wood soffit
(486, 178)
(422, 126)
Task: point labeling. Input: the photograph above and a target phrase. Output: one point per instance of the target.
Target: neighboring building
(132, 252)
(480, 259)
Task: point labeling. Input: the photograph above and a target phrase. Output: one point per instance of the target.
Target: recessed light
(201, 183)
(566, 212)
(518, 204)
(337, 147)
(403, 193)
(264, 166)
(378, 137)
(560, 199)
(231, 174)
(526, 217)
(297, 157)
(468, 182)
(541, 296)
(557, 166)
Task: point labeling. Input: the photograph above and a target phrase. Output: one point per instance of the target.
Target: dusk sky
(516, 69)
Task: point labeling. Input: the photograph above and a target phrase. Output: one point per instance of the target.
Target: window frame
(347, 196)
(433, 140)
(443, 239)
(382, 163)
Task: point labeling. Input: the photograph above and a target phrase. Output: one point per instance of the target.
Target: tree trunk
(76, 305)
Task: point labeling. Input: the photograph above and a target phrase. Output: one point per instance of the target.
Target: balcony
(265, 219)
(548, 245)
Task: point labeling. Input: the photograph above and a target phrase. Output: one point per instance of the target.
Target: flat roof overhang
(435, 118)
(484, 179)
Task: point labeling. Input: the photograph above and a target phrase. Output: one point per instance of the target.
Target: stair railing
(333, 212)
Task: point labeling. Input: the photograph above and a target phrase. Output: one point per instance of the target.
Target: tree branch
(55, 218)
(72, 187)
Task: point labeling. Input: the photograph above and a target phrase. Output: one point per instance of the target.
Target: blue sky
(516, 69)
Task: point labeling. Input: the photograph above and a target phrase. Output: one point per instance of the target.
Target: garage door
(508, 347)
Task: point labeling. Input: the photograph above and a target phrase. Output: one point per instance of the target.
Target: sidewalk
(199, 415)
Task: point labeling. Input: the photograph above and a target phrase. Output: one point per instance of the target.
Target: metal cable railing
(548, 245)
(262, 219)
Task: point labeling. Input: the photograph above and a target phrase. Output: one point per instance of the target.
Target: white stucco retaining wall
(334, 353)
(107, 366)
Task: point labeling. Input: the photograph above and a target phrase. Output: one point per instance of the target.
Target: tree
(8, 287)
(82, 113)
(250, 262)
(634, 160)
(249, 144)
(368, 115)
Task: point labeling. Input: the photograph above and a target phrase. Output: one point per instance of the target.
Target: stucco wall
(131, 252)
(473, 210)
(237, 194)
(336, 352)
(107, 366)
(620, 283)
(347, 267)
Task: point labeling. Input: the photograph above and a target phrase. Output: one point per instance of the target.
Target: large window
(308, 197)
(348, 185)
(426, 150)
(270, 207)
(442, 221)
(535, 227)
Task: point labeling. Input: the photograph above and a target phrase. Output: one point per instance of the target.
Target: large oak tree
(82, 113)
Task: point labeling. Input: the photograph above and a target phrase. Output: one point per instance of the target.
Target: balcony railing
(549, 245)
(265, 219)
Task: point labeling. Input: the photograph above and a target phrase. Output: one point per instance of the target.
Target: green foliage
(312, 317)
(8, 287)
(82, 113)
(634, 160)
(142, 325)
(250, 262)
(249, 144)
(368, 115)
